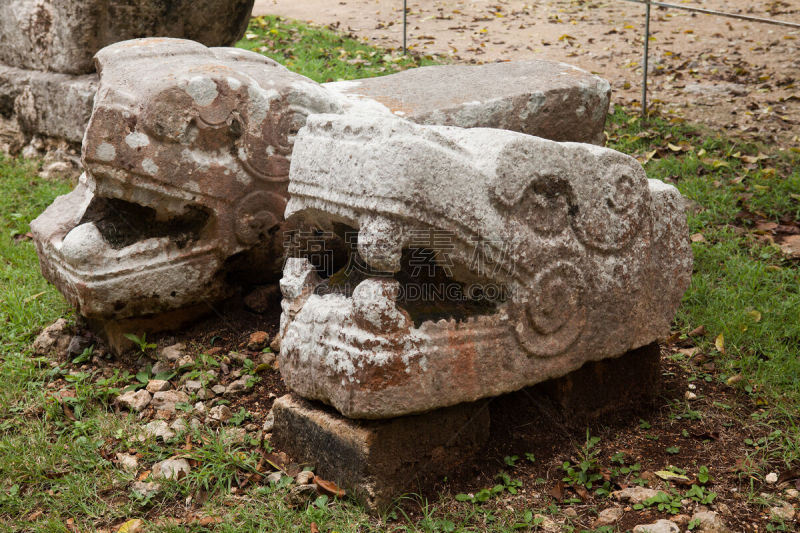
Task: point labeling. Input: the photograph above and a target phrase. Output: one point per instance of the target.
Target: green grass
(321, 54)
(54, 468)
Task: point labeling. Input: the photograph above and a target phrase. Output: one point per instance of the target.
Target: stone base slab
(543, 98)
(377, 461)
(43, 104)
(609, 386)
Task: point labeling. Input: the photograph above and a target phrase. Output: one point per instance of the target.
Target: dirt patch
(729, 74)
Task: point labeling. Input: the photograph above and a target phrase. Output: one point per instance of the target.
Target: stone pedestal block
(600, 388)
(376, 461)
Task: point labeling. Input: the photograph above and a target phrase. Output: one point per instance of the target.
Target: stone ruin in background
(190, 159)
(47, 79)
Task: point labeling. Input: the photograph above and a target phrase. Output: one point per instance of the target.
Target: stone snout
(186, 161)
(476, 262)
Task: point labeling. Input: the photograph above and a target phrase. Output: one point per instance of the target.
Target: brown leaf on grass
(788, 475)
(582, 493)
(557, 491)
(34, 515)
(70, 523)
(329, 487)
(790, 245)
(699, 331)
(314, 528)
(68, 412)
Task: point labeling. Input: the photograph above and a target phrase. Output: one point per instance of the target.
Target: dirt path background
(729, 74)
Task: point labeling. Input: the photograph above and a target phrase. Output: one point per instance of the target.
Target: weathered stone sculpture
(46, 50)
(187, 160)
(480, 261)
(187, 164)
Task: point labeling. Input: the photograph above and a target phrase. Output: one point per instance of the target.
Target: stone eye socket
(170, 116)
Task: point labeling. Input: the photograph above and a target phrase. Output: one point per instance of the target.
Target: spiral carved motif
(554, 316)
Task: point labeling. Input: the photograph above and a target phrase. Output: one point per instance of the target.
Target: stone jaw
(591, 257)
(187, 160)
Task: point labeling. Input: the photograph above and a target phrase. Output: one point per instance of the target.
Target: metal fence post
(645, 59)
(405, 26)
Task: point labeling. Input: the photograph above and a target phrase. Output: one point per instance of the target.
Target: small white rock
(304, 478)
(662, 526)
(274, 477)
(690, 395)
(235, 387)
(220, 413)
(134, 400)
(128, 462)
(608, 517)
(179, 426)
(634, 494)
(218, 389)
(173, 353)
(782, 511)
(171, 469)
(158, 385)
(167, 400)
(269, 422)
(146, 489)
(771, 478)
(159, 429)
(709, 522)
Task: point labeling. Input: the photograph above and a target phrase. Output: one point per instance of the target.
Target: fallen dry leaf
(329, 487)
(791, 246)
(557, 491)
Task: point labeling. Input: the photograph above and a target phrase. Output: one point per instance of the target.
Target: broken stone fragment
(167, 400)
(134, 400)
(54, 339)
(158, 429)
(551, 100)
(476, 262)
(173, 352)
(220, 413)
(146, 489)
(158, 385)
(171, 469)
(128, 462)
(660, 526)
(258, 340)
